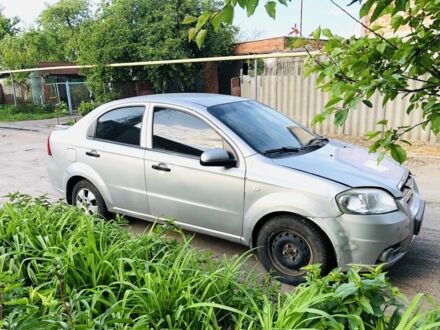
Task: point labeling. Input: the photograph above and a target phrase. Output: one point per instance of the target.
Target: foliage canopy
(403, 64)
(118, 31)
(7, 25)
(152, 31)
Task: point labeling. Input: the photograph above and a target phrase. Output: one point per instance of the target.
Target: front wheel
(286, 243)
(87, 197)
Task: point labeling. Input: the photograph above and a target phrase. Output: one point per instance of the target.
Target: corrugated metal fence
(282, 85)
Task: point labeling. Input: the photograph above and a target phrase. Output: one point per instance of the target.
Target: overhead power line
(165, 62)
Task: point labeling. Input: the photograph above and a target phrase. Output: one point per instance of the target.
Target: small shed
(49, 85)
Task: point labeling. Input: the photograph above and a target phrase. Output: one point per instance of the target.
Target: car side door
(206, 199)
(115, 150)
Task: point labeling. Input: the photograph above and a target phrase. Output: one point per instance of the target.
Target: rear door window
(121, 125)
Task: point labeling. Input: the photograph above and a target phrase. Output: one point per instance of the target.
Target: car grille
(407, 189)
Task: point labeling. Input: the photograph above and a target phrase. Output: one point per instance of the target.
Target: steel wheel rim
(86, 200)
(289, 252)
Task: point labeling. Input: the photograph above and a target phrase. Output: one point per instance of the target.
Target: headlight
(366, 201)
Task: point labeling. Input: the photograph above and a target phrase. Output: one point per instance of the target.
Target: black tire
(98, 202)
(288, 242)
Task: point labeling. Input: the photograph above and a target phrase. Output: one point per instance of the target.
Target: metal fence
(279, 82)
(73, 93)
(37, 92)
(15, 93)
(282, 85)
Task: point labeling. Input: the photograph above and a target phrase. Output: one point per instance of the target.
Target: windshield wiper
(282, 149)
(316, 139)
(310, 144)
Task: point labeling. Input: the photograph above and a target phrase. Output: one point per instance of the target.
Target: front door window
(179, 132)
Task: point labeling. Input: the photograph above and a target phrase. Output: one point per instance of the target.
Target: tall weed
(61, 269)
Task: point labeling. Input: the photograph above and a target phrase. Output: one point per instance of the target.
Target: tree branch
(406, 130)
(363, 24)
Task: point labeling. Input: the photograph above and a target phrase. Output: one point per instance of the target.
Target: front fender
(286, 202)
(88, 173)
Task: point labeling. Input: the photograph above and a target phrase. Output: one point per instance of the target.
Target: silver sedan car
(239, 170)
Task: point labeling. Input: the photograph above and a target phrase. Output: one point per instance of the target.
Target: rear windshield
(261, 127)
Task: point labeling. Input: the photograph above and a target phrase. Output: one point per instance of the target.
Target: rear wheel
(286, 243)
(87, 197)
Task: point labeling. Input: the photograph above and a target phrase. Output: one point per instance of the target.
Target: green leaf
(367, 103)
(398, 153)
(381, 5)
(299, 43)
(319, 118)
(383, 122)
(191, 34)
(242, 3)
(332, 102)
(251, 5)
(435, 124)
(15, 302)
(341, 117)
(345, 290)
(381, 47)
(189, 19)
(372, 134)
(216, 20)
(366, 305)
(327, 33)
(271, 7)
(202, 20)
(410, 108)
(397, 21)
(365, 9)
(200, 38)
(380, 157)
(400, 5)
(317, 33)
(228, 14)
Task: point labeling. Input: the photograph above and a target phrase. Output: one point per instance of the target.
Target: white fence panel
(288, 91)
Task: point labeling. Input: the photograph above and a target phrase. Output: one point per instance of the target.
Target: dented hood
(350, 165)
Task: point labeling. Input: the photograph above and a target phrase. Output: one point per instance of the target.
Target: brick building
(264, 46)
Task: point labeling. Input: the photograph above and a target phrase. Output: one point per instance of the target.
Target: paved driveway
(22, 168)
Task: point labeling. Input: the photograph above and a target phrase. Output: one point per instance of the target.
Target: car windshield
(264, 129)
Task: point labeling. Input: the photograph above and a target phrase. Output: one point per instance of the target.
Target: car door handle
(93, 153)
(161, 167)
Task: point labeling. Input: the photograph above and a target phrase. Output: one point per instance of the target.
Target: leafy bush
(61, 269)
(61, 108)
(86, 107)
(26, 112)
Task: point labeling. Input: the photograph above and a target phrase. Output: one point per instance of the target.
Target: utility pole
(69, 98)
(301, 19)
(256, 79)
(13, 89)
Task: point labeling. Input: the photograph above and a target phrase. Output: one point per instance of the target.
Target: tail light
(49, 150)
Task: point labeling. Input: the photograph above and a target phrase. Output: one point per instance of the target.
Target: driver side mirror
(217, 157)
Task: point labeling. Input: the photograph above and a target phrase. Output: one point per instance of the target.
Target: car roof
(185, 99)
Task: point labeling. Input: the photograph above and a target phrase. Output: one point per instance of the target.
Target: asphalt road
(22, 168)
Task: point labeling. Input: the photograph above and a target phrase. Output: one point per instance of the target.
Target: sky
(316, 13)
(26, 10)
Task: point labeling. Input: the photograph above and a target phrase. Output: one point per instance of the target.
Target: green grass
(10, 113)
(61, 269)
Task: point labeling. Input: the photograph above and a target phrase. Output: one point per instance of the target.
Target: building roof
(61, 72)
